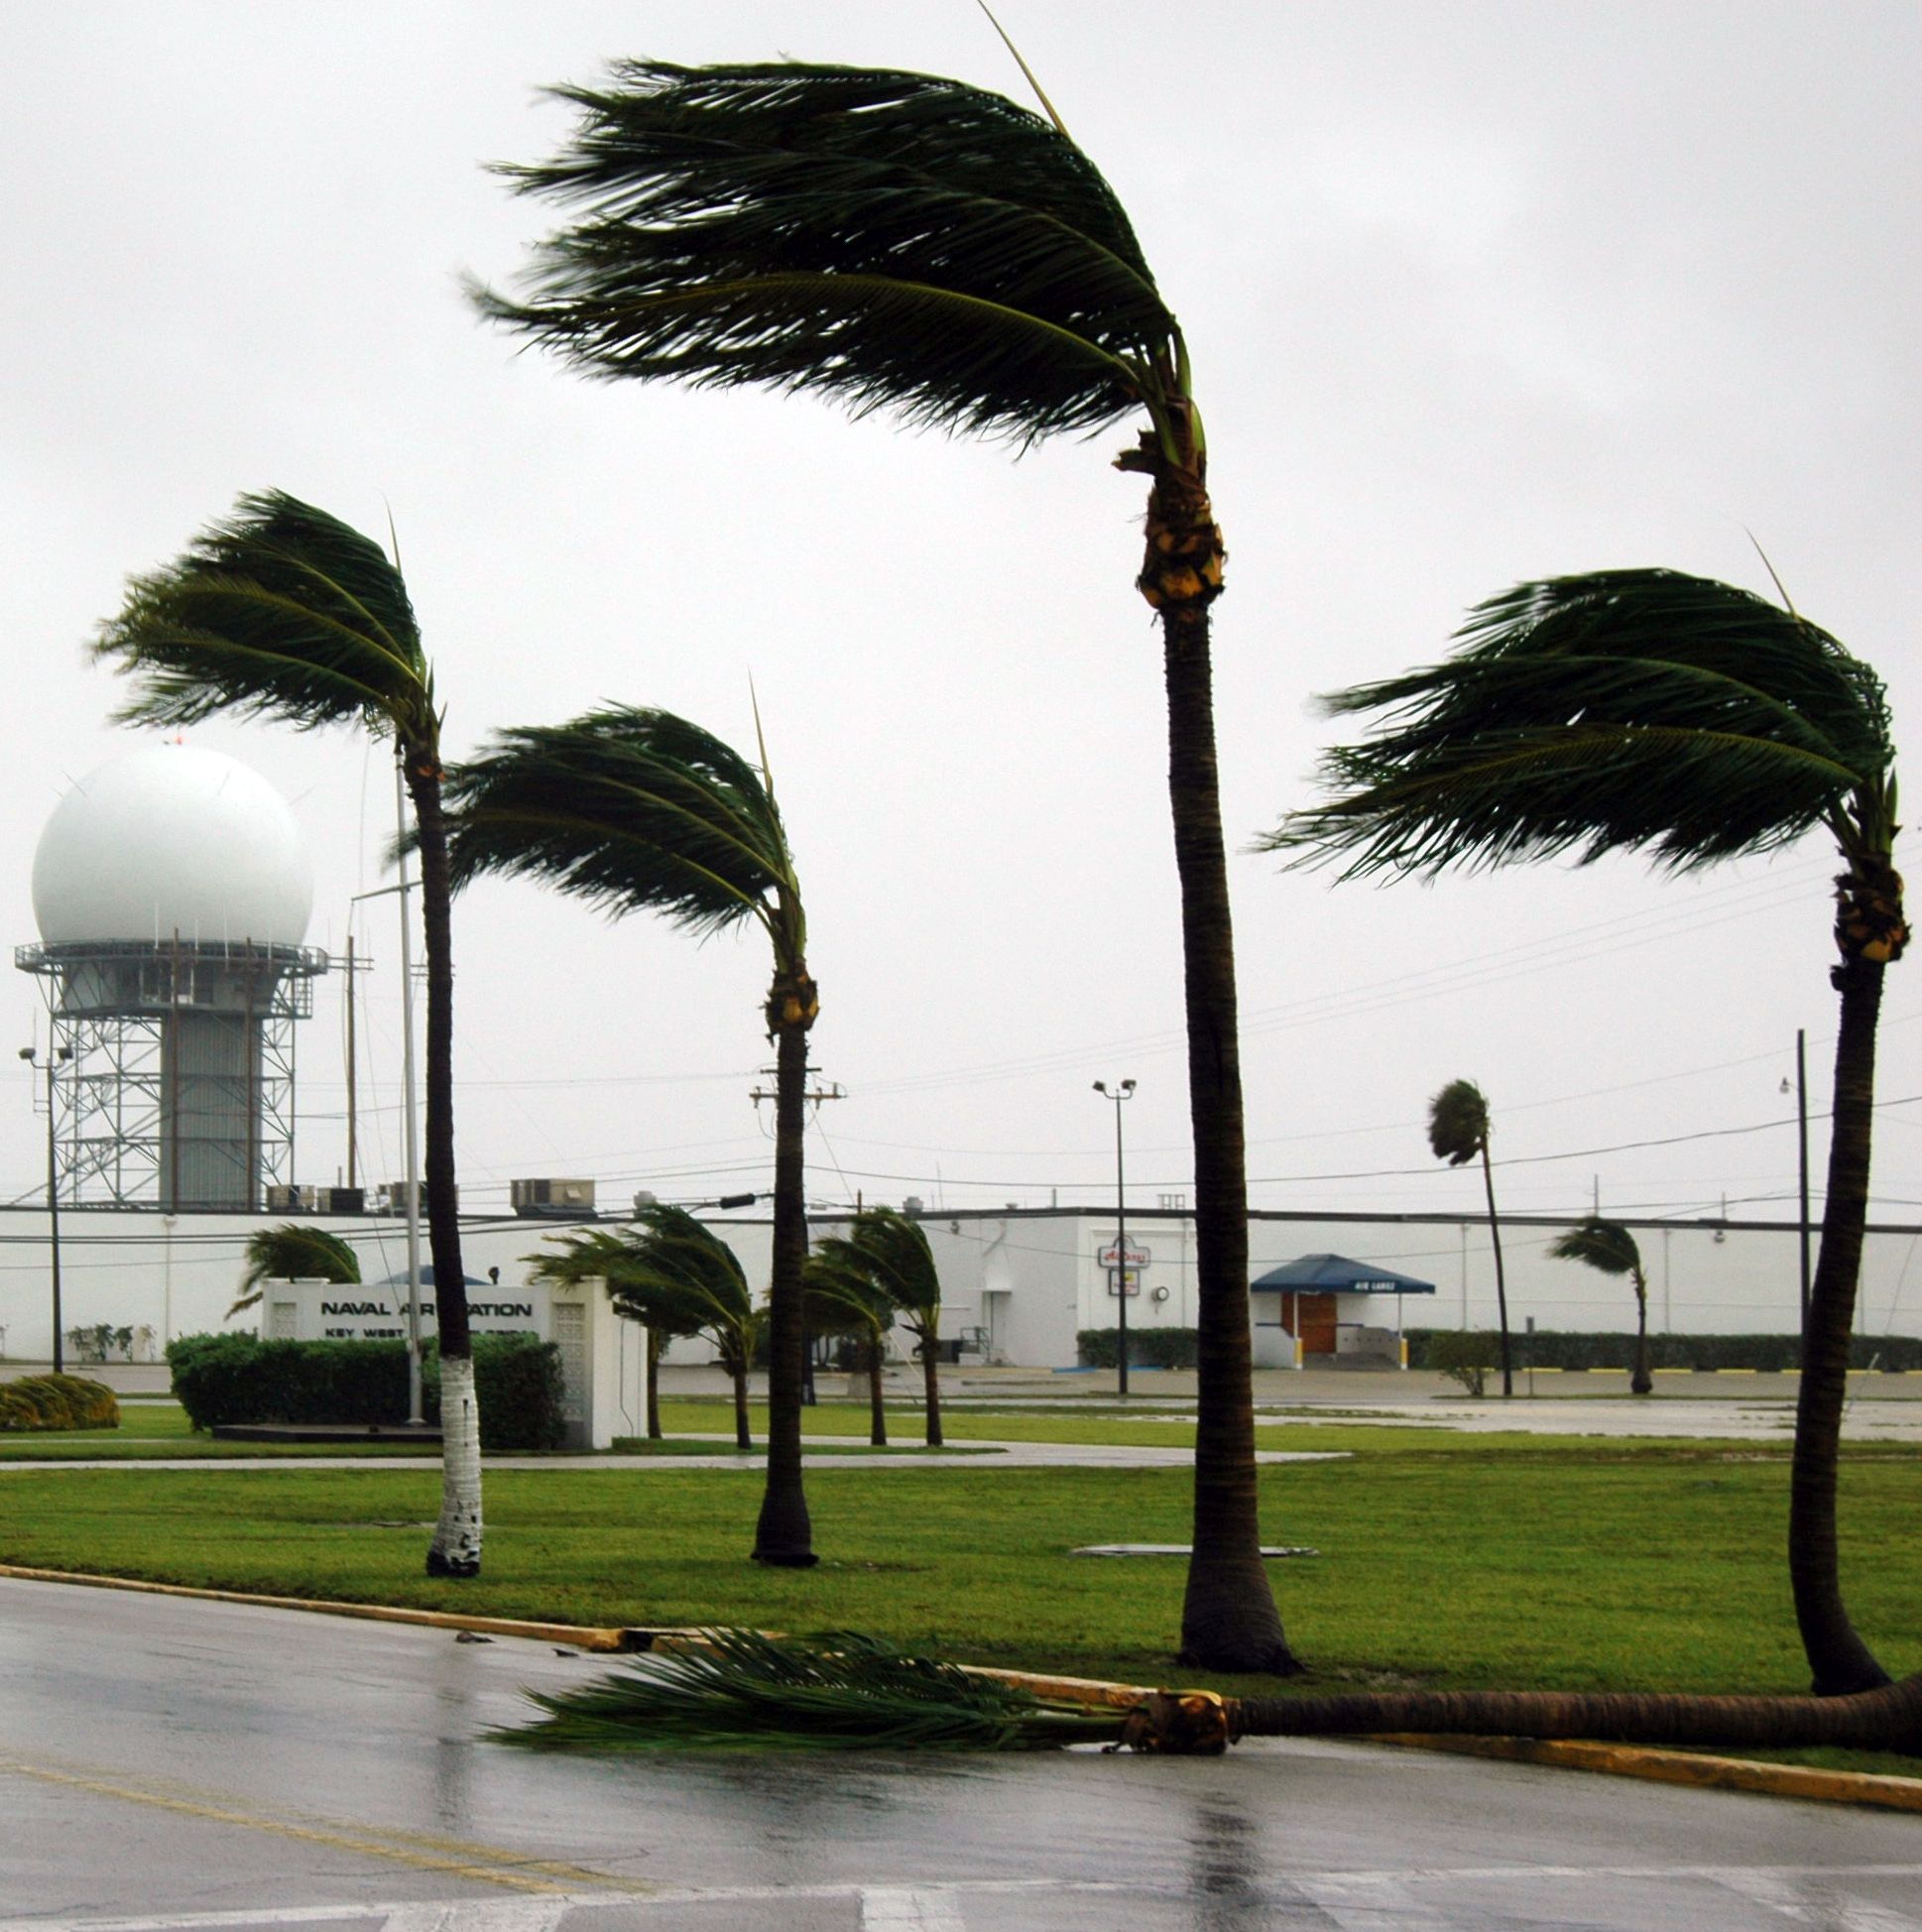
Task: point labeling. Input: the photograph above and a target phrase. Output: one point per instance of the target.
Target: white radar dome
(170, 838)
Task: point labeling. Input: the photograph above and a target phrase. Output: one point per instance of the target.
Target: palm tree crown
(1603, 1245)
(1458, 1122)
(293, 1251)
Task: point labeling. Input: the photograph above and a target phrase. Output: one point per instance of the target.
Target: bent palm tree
(904, 242)
(286, 612)
(843, 1299)
(895, 1253)
(675, 1276)
(1608, 1247)
(1645, 710)
(1458, 1132)
(641, 811)
(293, 1251)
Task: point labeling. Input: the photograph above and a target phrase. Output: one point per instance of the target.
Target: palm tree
(641, 811)
(1645, 710)
(903, 242)
(1457, 1132)
(676, 1276)
(284, 612)
(1609, 1247)
(843, 1299)
(293, 1251)
(895, 1253)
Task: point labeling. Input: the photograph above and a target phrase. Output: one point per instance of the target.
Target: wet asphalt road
(180, 1765)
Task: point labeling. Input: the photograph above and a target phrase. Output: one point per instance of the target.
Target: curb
(1880, 1789)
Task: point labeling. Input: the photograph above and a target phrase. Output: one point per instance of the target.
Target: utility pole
(56, 1056)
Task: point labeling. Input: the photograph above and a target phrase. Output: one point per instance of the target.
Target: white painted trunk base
(457, 1548)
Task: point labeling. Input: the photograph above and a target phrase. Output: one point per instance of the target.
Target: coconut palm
(894, 1251)
(641, 811)
(843, 1299)
(675, 1276)
(1458, 1132)
(284, 612)
(293, 1251)
(901, 242)
(1646, 710)
(1608, 1247)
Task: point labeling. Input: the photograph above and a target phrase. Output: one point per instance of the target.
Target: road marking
(486, 1865)
(899, 1908)
(1815, 1903)
(426, 1915)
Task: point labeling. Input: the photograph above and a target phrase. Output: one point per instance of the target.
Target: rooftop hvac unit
(559, 1200)
(292, 1200)
(344, 1200)
(389, 1197)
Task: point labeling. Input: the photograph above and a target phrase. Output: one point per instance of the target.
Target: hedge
(1549, 1348)
(57, 1402)
(1147, 1348)
(229, 1378)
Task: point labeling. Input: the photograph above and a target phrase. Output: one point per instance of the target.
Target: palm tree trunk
(653, 1385)
(1229, 1619)
(737, 1369)
(784, 1534)
(1838, 1657)
(457, 1548)
(877, 1411)
(932, 1388)
(1500, 1277)
(1889, 1719)
(1642, 1383)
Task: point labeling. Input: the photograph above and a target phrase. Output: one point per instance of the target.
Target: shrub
(1549, 1348)
(517, 1380)
(57, 1402)
(1147, 1348)
(1463, 1354)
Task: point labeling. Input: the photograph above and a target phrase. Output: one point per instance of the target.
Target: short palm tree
(843, 1299)
(1646, 710)
(284, 612)
(293, 1251)
(641, 811)
(894, 1252)
(674, 1275)
(1458, 1132)
(1609, 1247)
(903, 242)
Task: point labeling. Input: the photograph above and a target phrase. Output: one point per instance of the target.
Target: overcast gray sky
(1476, 293)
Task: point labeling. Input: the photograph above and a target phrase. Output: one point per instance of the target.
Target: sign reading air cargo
(323, 1311)
(1136, 1256)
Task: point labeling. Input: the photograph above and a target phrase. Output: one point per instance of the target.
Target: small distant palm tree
(1650, 712)
(284, 612)
(843, 1299)
(895, 1252)
(674, 1275)
(641, 811)
(293, 1251)
(1608, 1247)
(908, 243)
(1458, 1132)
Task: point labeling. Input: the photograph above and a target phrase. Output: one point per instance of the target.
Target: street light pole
(1802, 1121)
(1125, 1091)
(55, 1056)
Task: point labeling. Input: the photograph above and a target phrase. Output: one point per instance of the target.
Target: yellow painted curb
(1685, 1767)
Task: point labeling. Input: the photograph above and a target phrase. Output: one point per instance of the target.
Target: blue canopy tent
(1309, 1312)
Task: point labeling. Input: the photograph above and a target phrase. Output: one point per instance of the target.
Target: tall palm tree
(894, 1251)
(293, 1251)
(1646, 710)
(676, 1276)
(1458, 1132)
(284, 612)
(903, 242)
(1609, 1247)
(641, 811)
(843, 1299)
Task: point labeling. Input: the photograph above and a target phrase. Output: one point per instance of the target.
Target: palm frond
(896, 240)
(1599, 1243)
(842, 1691)
(293, 1251)
(633, 810)
(841, 1295)
(282, 611)
(1630, 710)
(894, 1251)
(669, 1271)
(1458, 1122)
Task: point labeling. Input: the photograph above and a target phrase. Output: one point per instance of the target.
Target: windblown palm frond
(894, 1253)
(1604, 1245)
(635, 810)
(293, 1251)
(280, 611)
(669, 1271)
(842, 1297)
(896, 240)
(1626, 711)
(1458, 1122)
(838, 1692)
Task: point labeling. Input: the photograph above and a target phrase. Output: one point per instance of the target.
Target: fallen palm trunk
(734, 1689)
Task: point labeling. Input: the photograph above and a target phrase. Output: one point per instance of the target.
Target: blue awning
(1337, 1274)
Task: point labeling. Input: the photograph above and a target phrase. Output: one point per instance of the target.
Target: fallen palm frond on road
(734, 1689)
